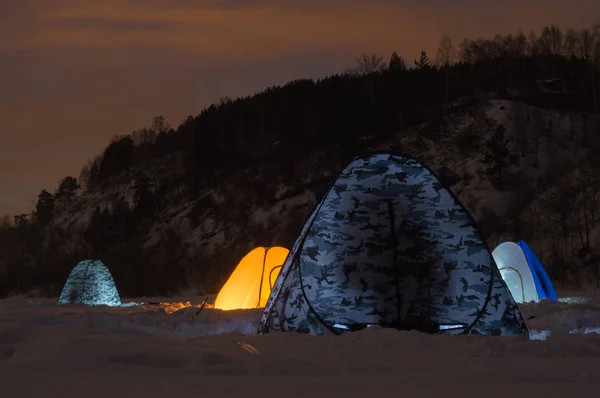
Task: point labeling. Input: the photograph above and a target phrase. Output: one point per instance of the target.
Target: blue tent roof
(543, 284)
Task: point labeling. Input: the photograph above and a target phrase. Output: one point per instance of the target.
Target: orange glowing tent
(249, 286)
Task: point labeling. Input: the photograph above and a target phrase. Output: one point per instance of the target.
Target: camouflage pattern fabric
(389, 245)
(90, 283)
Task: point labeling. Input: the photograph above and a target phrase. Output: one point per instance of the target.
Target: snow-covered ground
(148, 351)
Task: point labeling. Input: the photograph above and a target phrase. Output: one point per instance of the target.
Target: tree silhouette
(572, 43)
(589, 52)
(93, 176)
(160, 125)
(84, 174)
(367, 64)
(95, 234)
(497, 155)
(5, 221)
(424, 62)
(446, 56)
(122, 220)
(551, 41)
(519, 118)
(145, 205)
(44, 208)
(22, 220)
(397, 63)
(446, 53)
(66, 189)
(299, 134)
(117, 158)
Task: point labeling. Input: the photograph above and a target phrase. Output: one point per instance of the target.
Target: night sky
(74, 73)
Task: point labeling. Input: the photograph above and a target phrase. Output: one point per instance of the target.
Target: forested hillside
(510, 123)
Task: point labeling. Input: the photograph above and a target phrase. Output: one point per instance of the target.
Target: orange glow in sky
(74, 73)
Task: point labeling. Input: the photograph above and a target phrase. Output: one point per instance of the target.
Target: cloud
(94, 23)
(238, 30)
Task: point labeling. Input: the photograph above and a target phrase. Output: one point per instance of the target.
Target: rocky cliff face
(201, 237)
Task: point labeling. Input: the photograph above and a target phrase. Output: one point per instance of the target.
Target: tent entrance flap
(523, 272)
(521, 284)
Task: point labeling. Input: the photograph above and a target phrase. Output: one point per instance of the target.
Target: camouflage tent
(90, 283)
(389, 245)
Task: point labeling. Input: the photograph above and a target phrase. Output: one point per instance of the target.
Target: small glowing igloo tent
(90, 283)
(523, 273)
(249, 286)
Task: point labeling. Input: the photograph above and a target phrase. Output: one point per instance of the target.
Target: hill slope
(196, 239)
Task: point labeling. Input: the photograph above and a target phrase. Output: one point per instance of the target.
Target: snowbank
(49, 350)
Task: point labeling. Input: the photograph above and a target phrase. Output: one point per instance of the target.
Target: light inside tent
(249, 286)
(515, 271)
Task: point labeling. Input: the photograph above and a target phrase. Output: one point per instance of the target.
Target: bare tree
(587, 44)
(596, 62)
(588, 51)
(468, 54)
(551, 40)
(515, 46)
(482, 50)
(510, 48)
(367, 64)
(445, 57)
(446, 52)
(467, 51)
(144, 136)
(160, 125)
(84, 174)
(5, 221)
(572, 43)
(148, 135)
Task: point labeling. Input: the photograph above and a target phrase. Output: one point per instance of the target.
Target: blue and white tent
(90, 283)
(389, 245)
(523, 272)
